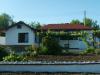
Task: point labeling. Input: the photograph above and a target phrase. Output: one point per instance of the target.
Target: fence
(86, 67)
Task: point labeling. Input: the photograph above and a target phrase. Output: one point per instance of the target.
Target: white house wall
(98, 42)
(12, 36)
(2, 40)
(73, 44)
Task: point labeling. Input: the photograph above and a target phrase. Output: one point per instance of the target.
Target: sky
(50, 11)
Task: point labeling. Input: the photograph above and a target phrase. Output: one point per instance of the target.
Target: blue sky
(50, 11)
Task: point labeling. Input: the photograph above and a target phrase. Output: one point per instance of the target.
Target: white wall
(92, 68)
(2, 40)
(73, 44)
(12, 35)
(98, 42)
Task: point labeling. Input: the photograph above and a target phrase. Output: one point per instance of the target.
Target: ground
(29, 73)
(67, 58)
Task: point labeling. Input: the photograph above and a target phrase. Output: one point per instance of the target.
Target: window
(69, 38)
(66, 45)
(23, 38)
(19, 26)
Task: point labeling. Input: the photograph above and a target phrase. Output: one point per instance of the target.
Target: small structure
(70, 41)
(20, 34)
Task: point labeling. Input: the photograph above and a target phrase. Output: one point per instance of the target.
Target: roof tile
(66, 26)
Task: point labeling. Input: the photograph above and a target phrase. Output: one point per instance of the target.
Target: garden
(50, 50)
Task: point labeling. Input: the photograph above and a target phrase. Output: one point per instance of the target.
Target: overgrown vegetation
(50, 46)
(3, 53)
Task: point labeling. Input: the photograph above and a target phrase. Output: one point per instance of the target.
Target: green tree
(50, 46)
(95, 25)
(35, 25)
(87, 22)
(5, 21)
(75, 21)
(91, 23)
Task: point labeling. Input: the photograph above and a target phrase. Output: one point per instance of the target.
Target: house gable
(20, 34)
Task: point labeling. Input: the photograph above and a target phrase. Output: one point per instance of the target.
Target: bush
(3, 53)
(97, 51)
(43, 51)
(15, 57)
(50, 46)
(32, 50)
(89, 50)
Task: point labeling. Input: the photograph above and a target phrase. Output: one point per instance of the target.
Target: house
(21, 34)
(2, 37)
(70, 42)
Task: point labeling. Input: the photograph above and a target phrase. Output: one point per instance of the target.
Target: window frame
(23, 37)
(19, 26)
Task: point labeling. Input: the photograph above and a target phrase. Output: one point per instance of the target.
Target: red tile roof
(66, 26)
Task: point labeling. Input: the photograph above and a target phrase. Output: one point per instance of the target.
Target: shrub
(90, 50)
(32, 50)
(15, 57)
(97, 51)
(11, 57)
(50, 46)
(3, 53)
(44, 50)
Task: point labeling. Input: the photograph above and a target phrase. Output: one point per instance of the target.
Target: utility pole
(84, 18)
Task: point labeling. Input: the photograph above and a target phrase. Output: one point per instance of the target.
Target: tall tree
(75, 21)
(91, 23)
(5, 21)
(95, 25)
(87, 22)
(35, 25)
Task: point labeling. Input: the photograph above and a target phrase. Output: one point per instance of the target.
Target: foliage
(95, 25)
(96, 33)
(97, 51)
(32, 50)
(3, 53)
(12, 57)
(5, 21)
(87, 22)
(91, 23)
(35, 25)
(90, 50)
(16, 57)
(29, 52)
(61, 34)
(50, 46)
(75, 21)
